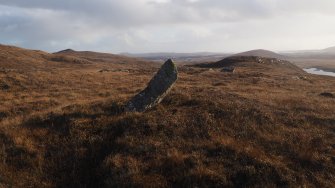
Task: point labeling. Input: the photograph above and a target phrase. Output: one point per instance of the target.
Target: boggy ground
(62, 125)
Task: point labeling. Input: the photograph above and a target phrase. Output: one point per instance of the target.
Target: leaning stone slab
(157, 89)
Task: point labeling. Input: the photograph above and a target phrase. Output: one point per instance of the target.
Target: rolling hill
(261, 53)
(15, 57)
(97, 56)
(262, 64)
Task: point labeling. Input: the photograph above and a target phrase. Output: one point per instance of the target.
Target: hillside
(97, 56)
(11, 56)
(261, 53)
(15, 57)
(261, 64)
(265, 125)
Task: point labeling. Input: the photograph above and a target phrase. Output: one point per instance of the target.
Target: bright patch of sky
(168, 25)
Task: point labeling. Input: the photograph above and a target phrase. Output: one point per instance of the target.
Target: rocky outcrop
(157, 89)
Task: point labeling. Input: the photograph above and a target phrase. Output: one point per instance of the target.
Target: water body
(319, 72)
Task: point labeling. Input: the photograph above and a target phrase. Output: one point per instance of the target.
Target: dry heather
(62, 125)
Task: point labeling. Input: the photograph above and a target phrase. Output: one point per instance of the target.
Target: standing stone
(157, 89)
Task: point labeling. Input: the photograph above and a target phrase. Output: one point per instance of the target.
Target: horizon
(167, 52)
(168, 26)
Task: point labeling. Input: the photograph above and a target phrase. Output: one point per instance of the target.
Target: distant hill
(256, 59)
(96, 56)
(16, 57)
(67, 51)
(329, 50)
(180, 57)
(261, 53)
(254, 62)
(169, 54)
(322, 59)
(323, 53)
(12, 57)
(204, 56)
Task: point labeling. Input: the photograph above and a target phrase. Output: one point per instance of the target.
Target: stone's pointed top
(168, 69)
(169, 61)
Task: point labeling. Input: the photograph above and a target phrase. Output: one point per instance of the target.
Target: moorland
(62, 123)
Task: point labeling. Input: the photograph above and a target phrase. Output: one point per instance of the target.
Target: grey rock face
(157, 89)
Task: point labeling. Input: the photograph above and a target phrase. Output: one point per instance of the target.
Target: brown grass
(62, 125)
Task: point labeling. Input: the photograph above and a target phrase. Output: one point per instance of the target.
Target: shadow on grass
(13, 155)
(74, 151)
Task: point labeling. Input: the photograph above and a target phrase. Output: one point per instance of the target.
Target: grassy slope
(261, 126)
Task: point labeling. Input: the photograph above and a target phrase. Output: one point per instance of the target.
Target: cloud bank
(167, 25)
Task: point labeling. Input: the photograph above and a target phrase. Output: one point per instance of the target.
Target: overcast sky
(168, 25)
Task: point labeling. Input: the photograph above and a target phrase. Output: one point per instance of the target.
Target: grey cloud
(141, 12)
(174, 10)
(120, 25)
(129, 13)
